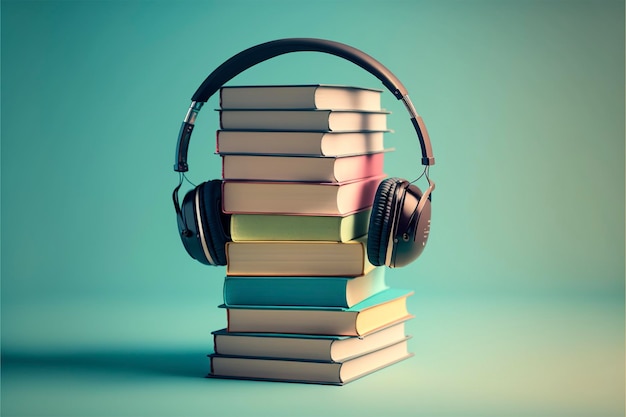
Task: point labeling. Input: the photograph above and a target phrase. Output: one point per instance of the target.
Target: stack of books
(301, 165)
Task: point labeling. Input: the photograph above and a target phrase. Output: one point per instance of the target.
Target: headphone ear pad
(216, 222)
(188, 228)
(380, 226)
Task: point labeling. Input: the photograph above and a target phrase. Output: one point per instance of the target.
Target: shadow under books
(120, 362)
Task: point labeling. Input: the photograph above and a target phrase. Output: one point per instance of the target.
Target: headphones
(399, 223)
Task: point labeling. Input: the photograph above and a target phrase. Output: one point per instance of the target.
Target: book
(298, 258)
(333, 199)
(341, 292)
(313, 96)
(262, 142)
(301, 168)
(305, 347)
(372, 314)
(316, 120)
(335, 373)
(244, 227)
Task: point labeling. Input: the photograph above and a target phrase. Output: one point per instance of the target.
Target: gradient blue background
(519, 296)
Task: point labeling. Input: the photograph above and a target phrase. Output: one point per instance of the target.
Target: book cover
(343, 292)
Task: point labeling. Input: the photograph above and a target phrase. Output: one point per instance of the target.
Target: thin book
(332, 199)
(332, 373)
(379, 311)
(305, 347)
(305, 96)
(311, 291)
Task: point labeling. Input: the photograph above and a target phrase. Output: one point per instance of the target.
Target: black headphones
(400, 220)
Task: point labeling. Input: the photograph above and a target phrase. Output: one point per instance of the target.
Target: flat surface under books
(485, 356)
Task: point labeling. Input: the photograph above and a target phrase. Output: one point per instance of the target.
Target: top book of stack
(300, 97)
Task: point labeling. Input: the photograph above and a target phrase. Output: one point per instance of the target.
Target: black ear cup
(204, 227)
(381, 219)
(214, 222)
(411, 225)
(188, 228)
(400, 218)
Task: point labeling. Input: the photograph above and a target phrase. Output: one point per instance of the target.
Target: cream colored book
(305, 347)
(325, 199)
(315, 120)
(374, 313)
(334, 373)
(302, 168)
(306, 96)
(298, 142)
(298, 258)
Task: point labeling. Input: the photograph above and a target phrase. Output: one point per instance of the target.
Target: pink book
(302, 168)
(301, 198)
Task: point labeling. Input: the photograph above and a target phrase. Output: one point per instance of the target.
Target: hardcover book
(298, 142)
(302, 168)
(333, 199)
(374, 313)
(244, 227)
(305, 347)
(341, 292)
(335, 373)
(312, 96)
(315, 120)
(298, 258)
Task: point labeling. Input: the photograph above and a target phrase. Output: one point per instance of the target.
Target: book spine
(295, 291)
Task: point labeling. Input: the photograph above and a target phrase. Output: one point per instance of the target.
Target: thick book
(331, 120)
(305, 347)
(246, 227)
(325, 199)
(302, 168)
(341, 292)
(332, 373)
(298, 258)
(313, 96)
(298, 142)
(376, 312)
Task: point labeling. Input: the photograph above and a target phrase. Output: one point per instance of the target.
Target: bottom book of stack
(264, 349)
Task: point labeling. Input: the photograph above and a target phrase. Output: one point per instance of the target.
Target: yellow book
(254, 227)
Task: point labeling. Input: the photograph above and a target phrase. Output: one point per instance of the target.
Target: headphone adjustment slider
(193, 111)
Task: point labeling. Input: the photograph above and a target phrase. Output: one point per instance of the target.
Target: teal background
(519, 298)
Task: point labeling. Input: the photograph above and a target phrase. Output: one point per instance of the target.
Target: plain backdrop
(519, 298)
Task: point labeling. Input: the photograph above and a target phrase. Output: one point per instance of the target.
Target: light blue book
(342, 292)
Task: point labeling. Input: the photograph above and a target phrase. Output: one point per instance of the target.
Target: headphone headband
(262, 52)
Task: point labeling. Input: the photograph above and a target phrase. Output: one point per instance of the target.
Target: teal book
(372, 314)
(342, 292)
